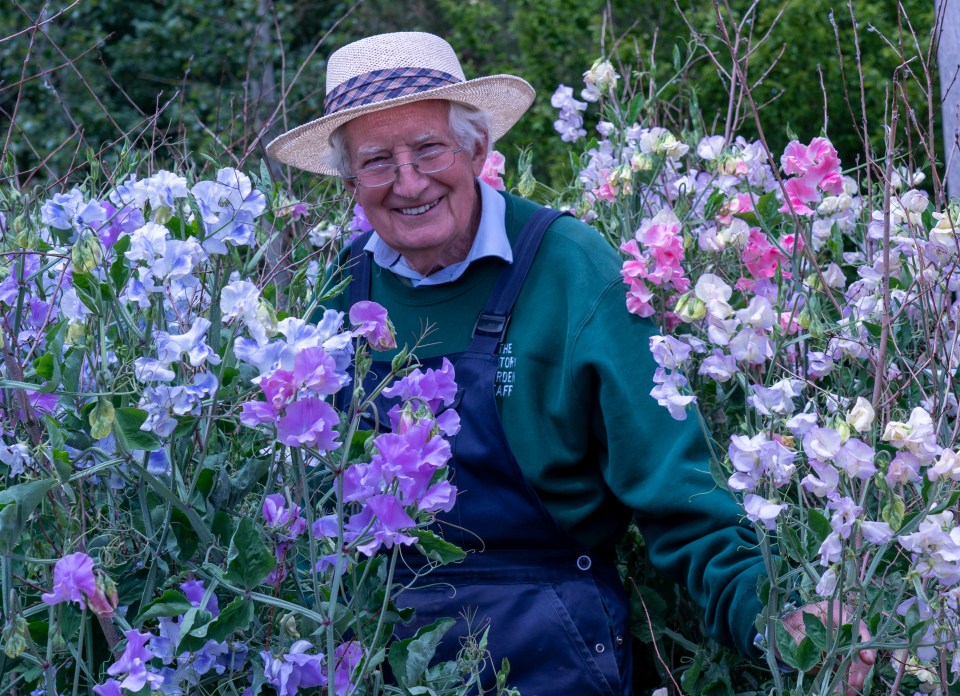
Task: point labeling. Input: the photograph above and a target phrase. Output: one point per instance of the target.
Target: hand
(862, 661)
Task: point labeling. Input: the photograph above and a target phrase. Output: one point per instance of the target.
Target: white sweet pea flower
(193, 343)
(861, 416)
(833, 276)
(946, 467)
(660, 141)
(761, 510)
(715, 293)
(710, 147)
(759, 313)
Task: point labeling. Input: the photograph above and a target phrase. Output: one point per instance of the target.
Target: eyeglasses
(427, 163)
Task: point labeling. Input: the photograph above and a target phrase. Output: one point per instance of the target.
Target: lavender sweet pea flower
(761, 510)
(719, 367)
(667, 393)
(73, 580)
(309, 422)
(277, 514)
(16, 456)
(133, 663)
(830, 549)
(228, 208)
(372, 323)
(193, 343)
(777, 460)
(346, 658)
(164, 189)
(856, 458)
(876, 532)
(744, 453)
(825, 482)
(669, 352)
(821, 443)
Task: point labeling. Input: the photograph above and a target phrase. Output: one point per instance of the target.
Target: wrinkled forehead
(408, 125)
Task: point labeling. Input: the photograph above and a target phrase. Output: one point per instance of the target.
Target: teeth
(418, 211)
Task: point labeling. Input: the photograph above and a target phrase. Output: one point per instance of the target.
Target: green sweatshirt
(574, 395)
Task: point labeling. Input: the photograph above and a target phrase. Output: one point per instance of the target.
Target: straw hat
(388, 70)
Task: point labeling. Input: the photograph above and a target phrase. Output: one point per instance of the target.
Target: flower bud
(162, 215)
(86, 254)
(843, 429)
(690, 308)
(15, 637)
(101, 419)
(289, 626)
(75, 332)
(267, 317)
(103, 602)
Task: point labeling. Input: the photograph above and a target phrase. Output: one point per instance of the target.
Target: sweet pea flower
(111, 687)
(493, 170)
(309, 422)
(861, 416)
(823, 482)
(828, 582)
(73, 580)
(667, 393)
(277, 514)
(947, 467)
(876, 532)
(133, 663)
(830, 549)
(750, 346)
(719, 367)
(821, 443)
(855, 457)
(761, 510)
(669, 352)
(372, 323)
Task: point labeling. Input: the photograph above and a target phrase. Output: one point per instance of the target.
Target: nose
(410, 182)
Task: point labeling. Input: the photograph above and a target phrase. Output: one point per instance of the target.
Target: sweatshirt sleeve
(659, 467)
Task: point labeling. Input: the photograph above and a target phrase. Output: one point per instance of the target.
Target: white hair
(470, 127)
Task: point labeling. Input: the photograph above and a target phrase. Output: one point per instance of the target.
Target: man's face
(430, 219)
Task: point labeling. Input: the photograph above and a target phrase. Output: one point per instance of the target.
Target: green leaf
(768, 209)
(228, 490)
(195, 623)
(819, 525)
(437, 549)
(170, 603)
(815, 630)
(126, 426)
(236, 616)
(18, 503)
(410, 658)
(249, 560)
(808, 655)
(44, 366)
(786, 646)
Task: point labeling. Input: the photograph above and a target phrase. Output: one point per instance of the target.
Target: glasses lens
(436, 161)
(377, 175)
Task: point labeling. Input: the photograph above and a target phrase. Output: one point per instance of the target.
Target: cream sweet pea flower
(861, 416)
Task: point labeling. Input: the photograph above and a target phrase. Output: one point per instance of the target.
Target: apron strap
(491, 326)
(492, 322)
(359, 267)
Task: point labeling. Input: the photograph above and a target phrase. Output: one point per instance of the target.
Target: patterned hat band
(381, 85)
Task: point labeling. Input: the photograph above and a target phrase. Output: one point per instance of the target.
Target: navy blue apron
(558, 612)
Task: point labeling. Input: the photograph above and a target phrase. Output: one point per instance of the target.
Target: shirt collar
(491, 240)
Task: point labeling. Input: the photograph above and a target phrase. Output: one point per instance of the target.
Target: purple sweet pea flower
(194, 592)
(371, 322)
(111, 687)
(73, 579)
(667, 393)
(277, 514)
(359, 224)
(280, 388)
(346, 658)
(133, 663)
(295, 670)
(761, 510)
(309, 422)
(254, 413)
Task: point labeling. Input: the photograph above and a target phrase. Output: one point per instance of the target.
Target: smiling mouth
(420, 210)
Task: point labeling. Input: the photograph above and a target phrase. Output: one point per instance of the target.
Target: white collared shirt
(491, 240)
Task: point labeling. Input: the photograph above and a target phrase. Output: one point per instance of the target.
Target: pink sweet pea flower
(371, 322)
(493, 169)
(760, 257)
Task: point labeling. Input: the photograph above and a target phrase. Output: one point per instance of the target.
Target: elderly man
(559, 442)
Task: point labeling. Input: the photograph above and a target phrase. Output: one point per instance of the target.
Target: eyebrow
(374, 149)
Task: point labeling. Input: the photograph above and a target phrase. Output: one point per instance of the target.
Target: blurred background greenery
(195, 77)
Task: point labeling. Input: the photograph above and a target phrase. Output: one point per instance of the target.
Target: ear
(479, 155)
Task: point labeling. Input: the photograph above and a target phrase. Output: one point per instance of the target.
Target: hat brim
(504, 97)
